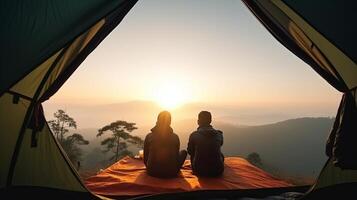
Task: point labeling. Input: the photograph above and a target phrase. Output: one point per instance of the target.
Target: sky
(209, 51)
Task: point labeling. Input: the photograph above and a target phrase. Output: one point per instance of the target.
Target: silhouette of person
(204, 147)
(162, 155)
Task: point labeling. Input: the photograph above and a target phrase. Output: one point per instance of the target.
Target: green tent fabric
(322, 33)
(44, 42)
(35, 31)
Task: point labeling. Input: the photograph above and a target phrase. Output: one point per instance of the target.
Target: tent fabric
(340, 34)
(128, 177)
(299, 37)
(10, 124)
(343, 137)
(340, 61)
(42, 45)
(30, 165)
(38, 30)
(332, 175)
(325, 41)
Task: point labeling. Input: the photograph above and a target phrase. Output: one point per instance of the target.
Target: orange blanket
(128, 177)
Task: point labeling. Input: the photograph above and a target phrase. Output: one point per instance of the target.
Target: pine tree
(119, 139)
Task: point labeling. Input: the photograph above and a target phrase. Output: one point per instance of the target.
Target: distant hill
(293, 147)
(144, 112)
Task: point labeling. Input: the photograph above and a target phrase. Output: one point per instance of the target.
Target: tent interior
(44, 43)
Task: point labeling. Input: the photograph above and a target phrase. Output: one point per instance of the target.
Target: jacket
(161, 152)
(204, 147)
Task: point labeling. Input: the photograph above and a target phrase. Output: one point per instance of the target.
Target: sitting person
(162, 157)
(204, 147)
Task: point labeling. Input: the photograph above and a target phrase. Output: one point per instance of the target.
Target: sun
(170, 95)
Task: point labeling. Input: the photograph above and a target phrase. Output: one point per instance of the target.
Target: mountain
(292, 147)
(295, 146)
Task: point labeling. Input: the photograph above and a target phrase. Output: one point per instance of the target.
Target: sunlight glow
(170, 95)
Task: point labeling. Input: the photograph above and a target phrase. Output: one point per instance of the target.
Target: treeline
(116, 143)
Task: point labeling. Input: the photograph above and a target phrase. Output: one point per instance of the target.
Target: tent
(43, 43)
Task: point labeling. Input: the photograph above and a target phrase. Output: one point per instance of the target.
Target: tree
(61, 123)
(60, 126)
(254, 158)
(119, 139)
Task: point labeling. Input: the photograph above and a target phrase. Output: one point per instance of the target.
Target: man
(204, 147)
(162, 157)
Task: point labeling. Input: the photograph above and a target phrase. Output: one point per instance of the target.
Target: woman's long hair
(163, 123)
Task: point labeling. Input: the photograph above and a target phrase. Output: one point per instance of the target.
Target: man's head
(204, 118)
(164, 119)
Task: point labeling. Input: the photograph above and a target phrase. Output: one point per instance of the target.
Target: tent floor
(29, 192)
(227, 194)
(54, 194)
(340, 191)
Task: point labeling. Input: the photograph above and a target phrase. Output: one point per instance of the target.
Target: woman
(162, 157)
